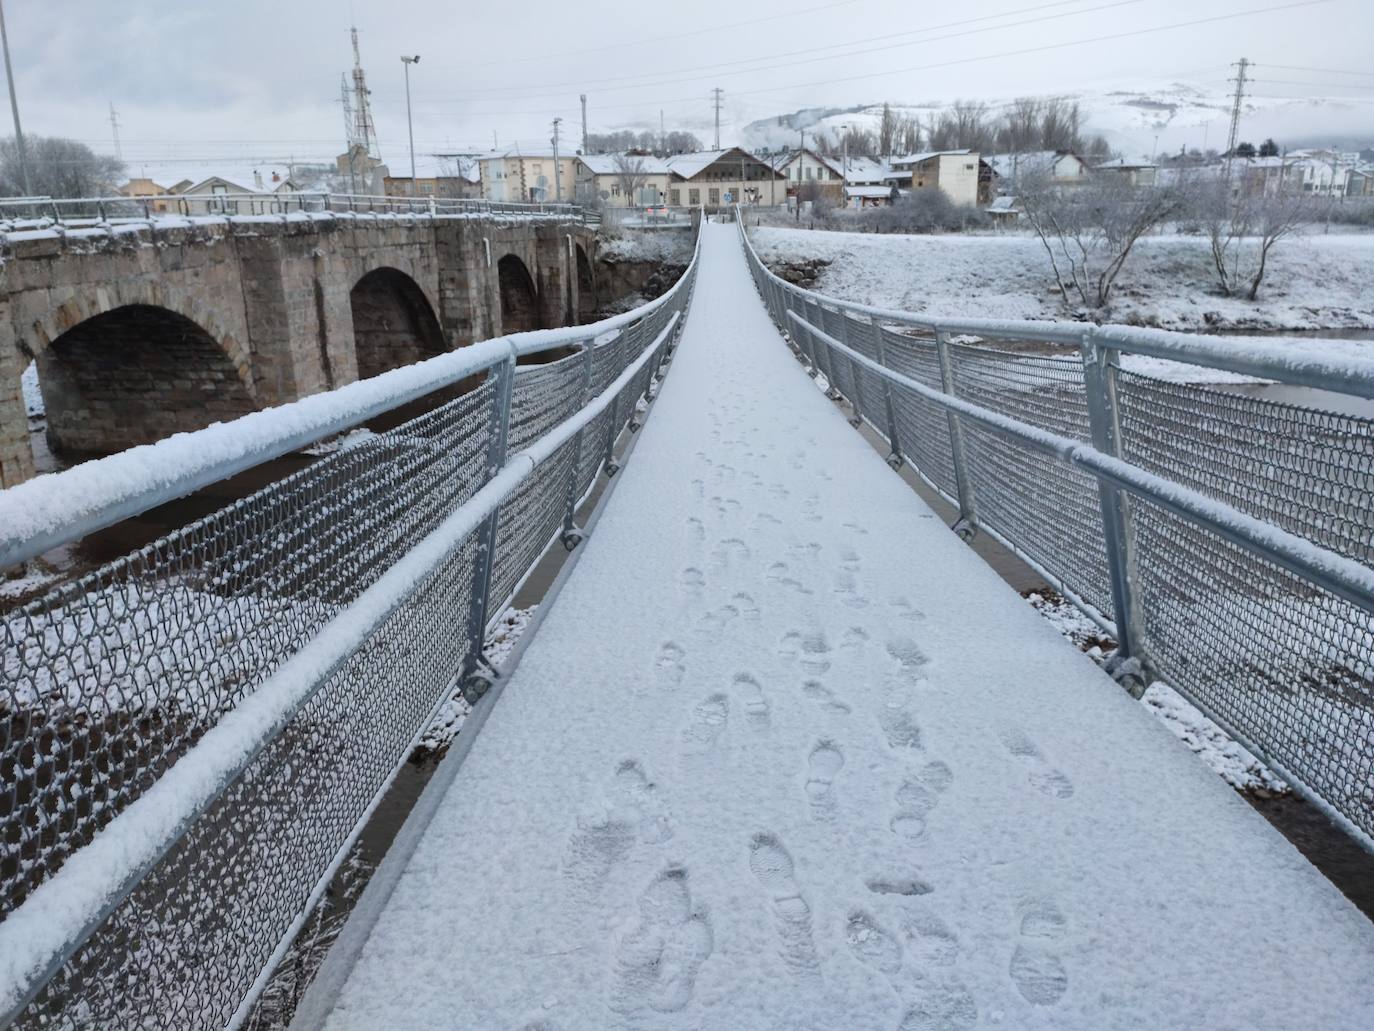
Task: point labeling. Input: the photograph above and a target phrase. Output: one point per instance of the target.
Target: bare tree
(887, 131)
(631, 174)
(58, 168)
(1243, 228)
(1088, 231)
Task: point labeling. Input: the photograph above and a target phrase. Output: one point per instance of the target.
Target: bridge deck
(786, 754)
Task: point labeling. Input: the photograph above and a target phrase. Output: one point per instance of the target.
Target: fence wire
(109, 680)
(1283, 659)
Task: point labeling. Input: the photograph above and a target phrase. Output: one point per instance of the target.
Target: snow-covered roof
(608, 164)
(865, 170)
(916, 159)
(688, 165)
(1029, 161)
(834, 164)
(1003, 203)
(1121, 164)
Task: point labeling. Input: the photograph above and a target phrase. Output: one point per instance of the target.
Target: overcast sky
(258, 79)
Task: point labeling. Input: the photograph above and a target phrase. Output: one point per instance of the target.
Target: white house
(806, 166)
(622, 180)
(1063, 167)
(530, 176)
(955, 172)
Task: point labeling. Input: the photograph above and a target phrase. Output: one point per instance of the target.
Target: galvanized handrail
(1270, 582)
(181, 827)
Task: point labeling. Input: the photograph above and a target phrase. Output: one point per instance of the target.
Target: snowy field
(1316, 281)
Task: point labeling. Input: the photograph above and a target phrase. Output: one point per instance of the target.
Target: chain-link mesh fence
(1280, 651)
(108, 681)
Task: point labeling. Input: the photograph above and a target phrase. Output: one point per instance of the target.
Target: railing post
(894, 457)
(572, 533)
(474, 681)
(967, 524)
(613, 426)
(1100, 365)
(856, 403)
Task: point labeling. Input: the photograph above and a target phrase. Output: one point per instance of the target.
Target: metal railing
(193, 736)
(1225, 540)
(83, 211)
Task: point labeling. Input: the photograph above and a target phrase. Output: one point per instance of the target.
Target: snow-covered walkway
(786, 754)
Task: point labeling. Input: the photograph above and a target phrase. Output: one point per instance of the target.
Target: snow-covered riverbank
(1317, 281)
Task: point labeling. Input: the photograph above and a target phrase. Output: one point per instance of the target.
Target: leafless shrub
(1243, 225)
(1088, 230)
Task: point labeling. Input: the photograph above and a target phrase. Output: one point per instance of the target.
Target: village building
(441, 176)
(717, 178)
(1137, 173)
(806, 166)
(621, 180)
(954, 172)
(529, 177)
(1061, 167)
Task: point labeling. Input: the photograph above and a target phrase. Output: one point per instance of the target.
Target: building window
(675, 198)
(693, 197)
(713, 197)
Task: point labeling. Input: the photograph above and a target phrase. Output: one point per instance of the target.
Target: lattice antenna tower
(364, 130)
(346, 99)
(114, 128)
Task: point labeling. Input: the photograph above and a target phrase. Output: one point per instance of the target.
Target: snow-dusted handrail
(62, 507)
(38, 937)
(1321, 364)
(1335, 573)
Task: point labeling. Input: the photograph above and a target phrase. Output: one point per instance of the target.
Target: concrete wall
(199, 323)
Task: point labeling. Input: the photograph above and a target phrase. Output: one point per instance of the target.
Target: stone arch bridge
(147, 329)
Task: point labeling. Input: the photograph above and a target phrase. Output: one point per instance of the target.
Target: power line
(1319, 85)
(641, 80)
(1327, 71)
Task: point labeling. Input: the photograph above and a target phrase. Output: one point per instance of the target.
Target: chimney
(276, 177)
(257, 179)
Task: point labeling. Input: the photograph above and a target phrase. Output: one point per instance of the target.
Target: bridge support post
(474, 679)
(572, 533)
(967, 524)
(894, 457)
(1100, 366)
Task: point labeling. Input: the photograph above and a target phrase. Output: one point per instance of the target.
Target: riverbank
(1316, 282)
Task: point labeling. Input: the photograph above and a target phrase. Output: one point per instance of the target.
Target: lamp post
(14, 106)
(844, 165)
(410, 127)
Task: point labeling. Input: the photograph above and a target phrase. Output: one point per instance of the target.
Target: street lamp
(410, 127)
(844, 166)
(14, 106)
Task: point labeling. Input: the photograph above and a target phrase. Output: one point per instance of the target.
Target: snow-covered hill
(1179, 114)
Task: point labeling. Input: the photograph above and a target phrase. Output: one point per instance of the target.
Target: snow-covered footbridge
(780, 752)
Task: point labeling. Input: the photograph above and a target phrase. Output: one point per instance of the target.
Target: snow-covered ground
(785, 754)
(1317, 281)
(673, 246)
(33, 397)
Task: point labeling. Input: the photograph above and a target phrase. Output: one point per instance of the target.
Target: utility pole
(585, 148)
(557, 179)
(14, 106)
(662, 132)
(114, 129)
(1234, 135)
(716, 96)
(410, 126)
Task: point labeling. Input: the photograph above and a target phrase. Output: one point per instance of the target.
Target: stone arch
(586, 287)
(134, 374)
(393, 322)
(519, 298)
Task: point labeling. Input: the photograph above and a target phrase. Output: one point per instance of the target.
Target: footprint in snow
(917, 798)
(772, 866)
(629, 813)
(1036, 968)
(709, 718)
(873, 946)
(756, 708)
(657, 958)
(825, 698)
(668, 665)
(822, 766)
(1041, 774)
